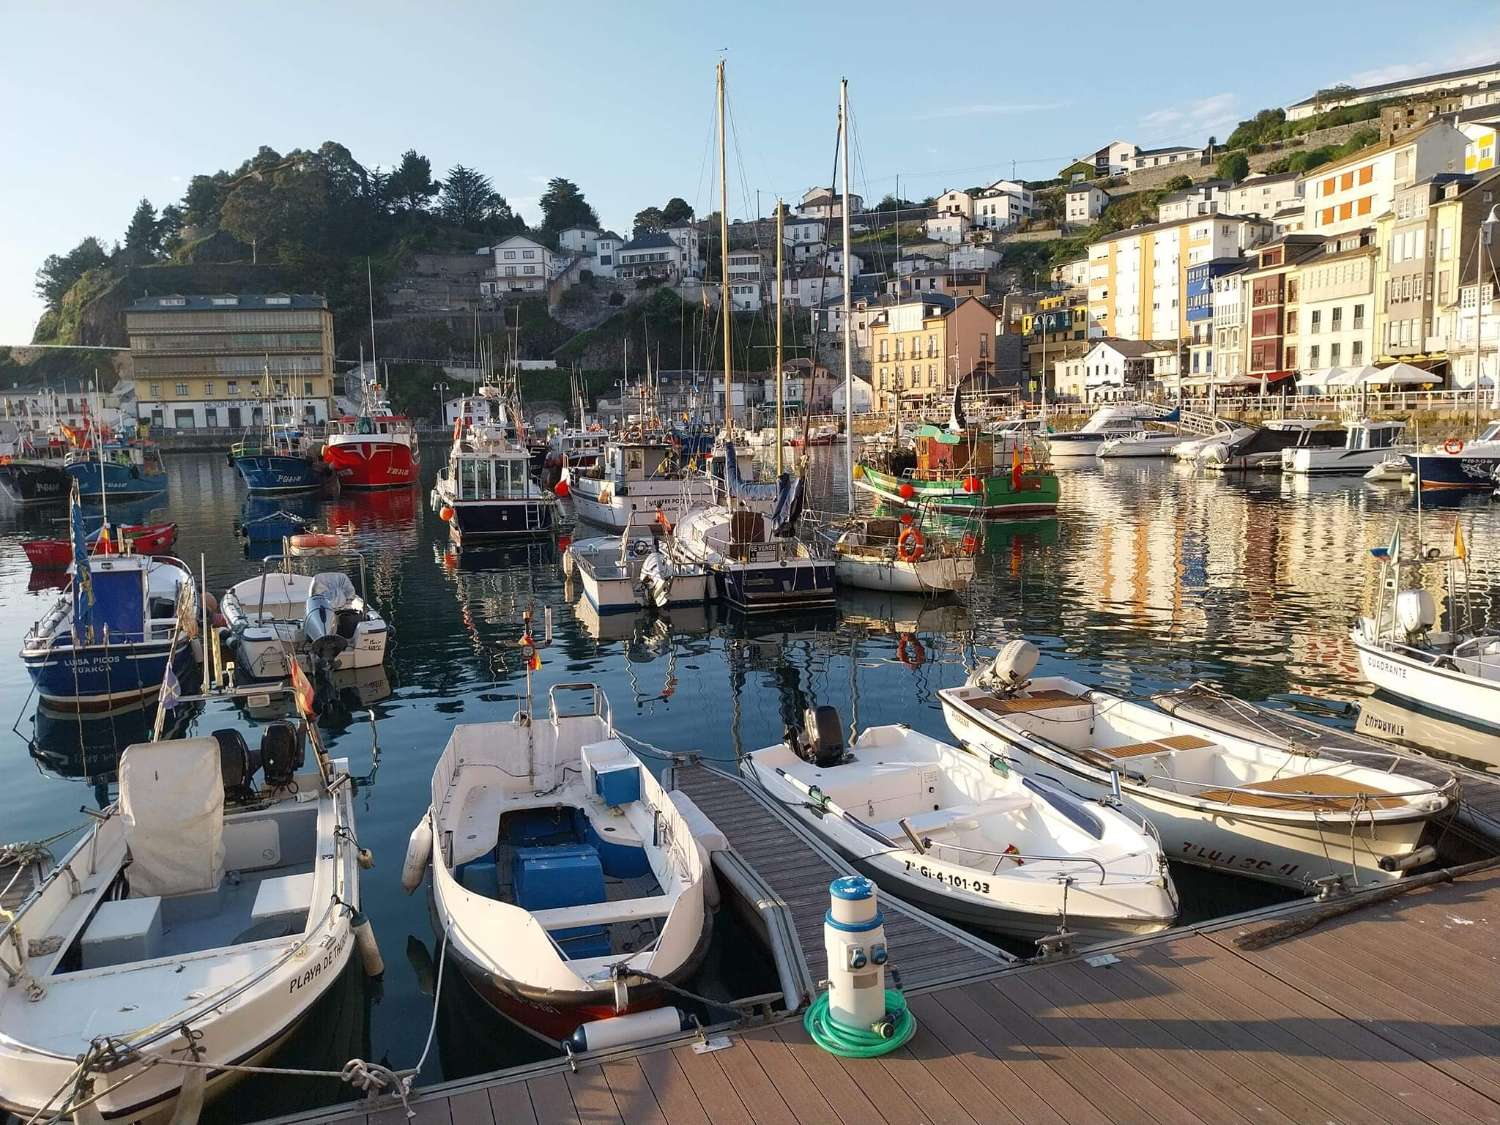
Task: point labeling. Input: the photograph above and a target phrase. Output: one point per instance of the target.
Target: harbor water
(1151, 576)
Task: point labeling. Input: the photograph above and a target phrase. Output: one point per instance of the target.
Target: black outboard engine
(331, 617)
(282, 753)
(238, 763)
(822, 743)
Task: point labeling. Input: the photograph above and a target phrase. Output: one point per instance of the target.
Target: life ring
(1453, 445)
(309, 541)
(910, 545)
(910, 651)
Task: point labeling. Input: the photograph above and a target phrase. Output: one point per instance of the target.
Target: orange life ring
(1453, 445)
(910, 651)
(910, 545)
(312, 540)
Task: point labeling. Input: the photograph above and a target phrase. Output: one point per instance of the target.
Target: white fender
(418, 852)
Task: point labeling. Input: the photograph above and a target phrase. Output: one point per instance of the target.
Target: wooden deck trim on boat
(1309, 791)
(1155, 746)
(1043, 700)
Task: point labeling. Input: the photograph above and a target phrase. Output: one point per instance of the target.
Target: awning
(1401, 375)
(1236, 381)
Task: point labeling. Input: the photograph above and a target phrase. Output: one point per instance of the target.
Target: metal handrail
(1001, 857)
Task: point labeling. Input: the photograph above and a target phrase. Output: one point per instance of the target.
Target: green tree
(1233, 166)
(250, 213)
(60, 271)
(1084, 168)
(411, 185)
(1178, 183)
(648, 219)
(891, 203)
(468, 199)
(677, 211)
(143, 235)
(202, 200)
(170, 225)
(564, 206)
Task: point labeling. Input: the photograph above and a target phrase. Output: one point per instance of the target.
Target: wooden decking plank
(673, 1092)
(511, 1104)
(711, 1087)
(752, 1085)
(1313, 1034)
(551, 1100)
(927, 1091)
(429, 1111)
(633, 1094)
(1190, 1075)
(812, 1089)
(945, 1067)
(472, 1107)
(1052, 1073)
(1124, 1074)
(592, 1099)
(845, 1078)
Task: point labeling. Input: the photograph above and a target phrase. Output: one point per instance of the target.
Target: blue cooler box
(566, 875)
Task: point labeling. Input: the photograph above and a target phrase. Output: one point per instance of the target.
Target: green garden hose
(856, 1042)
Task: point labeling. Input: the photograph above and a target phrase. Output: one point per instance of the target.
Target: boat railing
(599, 707)
(1252, 790)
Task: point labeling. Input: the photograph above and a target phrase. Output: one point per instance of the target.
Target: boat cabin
(1374, 435)
(639, 461)
(943, 453)
(482, 476)
(367, 424)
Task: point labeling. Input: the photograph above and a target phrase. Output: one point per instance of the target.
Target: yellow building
(207, 362)
(1479, 153)
(919, 349)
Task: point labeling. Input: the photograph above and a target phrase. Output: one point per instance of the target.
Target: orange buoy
(561, 488)
(906, 491)
(311, 541)
(445, 513)
(910, 651)
(1453, 445)
(970, 543)
(971, 484)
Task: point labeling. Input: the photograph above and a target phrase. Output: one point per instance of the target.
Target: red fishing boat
(140, 539)
(377, 449)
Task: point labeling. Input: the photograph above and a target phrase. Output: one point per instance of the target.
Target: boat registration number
(947, 878)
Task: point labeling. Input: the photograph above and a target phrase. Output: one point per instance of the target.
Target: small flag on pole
(302, 690)
(171, 690)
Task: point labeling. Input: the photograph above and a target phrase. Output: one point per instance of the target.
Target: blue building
(1200, 286)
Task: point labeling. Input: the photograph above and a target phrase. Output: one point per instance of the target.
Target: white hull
(1446, 689)
(1337, 460)
(897, 577)
(264, 658)
(599, 502)
(1157, 445)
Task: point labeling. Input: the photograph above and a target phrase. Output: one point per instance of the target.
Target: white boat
(636, 478)
(320, 619)
(1366, 445)
(878, 553)
(1457, 463)
(1142, 443)
(1392, 470)
(1193, 449)
(200, 916)
(1217, 800)
(972, 840)
(667, 582)
(749, 565)
(1403, 652)
(1116, 420)
(560, 868)
(608, 569)
(1261, 447)
(485, 490)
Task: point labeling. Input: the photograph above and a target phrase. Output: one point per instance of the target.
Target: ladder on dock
(925, 951)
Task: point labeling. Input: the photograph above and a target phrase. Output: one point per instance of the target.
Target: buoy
(859, 472)
(906, 519)
(910, 545)
(366, 859)
(311, 541)
(857, 1017)
(561, 488)
(910, 651)
(418, 852)
(1453, 445)
(564, 542)
(364, 941)
(970, 543)
(906, 491)
(210, 603)
(617, 1031)
(971, 484)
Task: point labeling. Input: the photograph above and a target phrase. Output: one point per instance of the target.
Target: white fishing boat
(1366, 445)
(1142, 443)
(636, 478)
(566, 880)
(608, 568)
(1116, 420)
(201, 918)
(320, 619)
(1217, 800)
(972, 840)
(880, 553)
(752, 562)
(1402, 651)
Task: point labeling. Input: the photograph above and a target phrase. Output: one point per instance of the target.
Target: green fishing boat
(963, 472)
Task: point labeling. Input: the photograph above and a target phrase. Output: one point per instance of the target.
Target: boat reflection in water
(87, 748)
(1395, 720)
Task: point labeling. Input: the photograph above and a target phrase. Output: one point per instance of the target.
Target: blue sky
(103, 103)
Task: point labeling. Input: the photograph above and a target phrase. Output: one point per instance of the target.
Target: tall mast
(780, 418)
(374, 365)
(848, 301)
(724, 267)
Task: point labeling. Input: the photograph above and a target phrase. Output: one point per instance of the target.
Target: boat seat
(1031, 701)
(605, 913)
(1308, 792)
(1154, 746)
(954, 818)
(283, 896)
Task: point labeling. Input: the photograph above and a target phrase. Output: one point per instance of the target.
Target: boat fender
(910, 651)
(210, 603)
(364, 941)
(418, 852)
(1414, 858)
(189, 1104)
(637, 1027)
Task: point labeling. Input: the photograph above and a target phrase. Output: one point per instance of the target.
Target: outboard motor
(822, 743)
(282, 753)
(331, 617)
(239, 764)
(1011, 668)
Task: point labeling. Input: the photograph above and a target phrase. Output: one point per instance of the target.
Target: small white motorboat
(970, 839)
(1235, 804)
(319, 619)
(568, 883)
(1392, 470)
(878, 553)
(667, 582)
(202, 916)
(1367, 445)
(608, 568)
(1142, 443)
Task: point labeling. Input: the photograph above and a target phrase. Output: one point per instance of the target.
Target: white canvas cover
(1401, 375)
(336, 588)
(172, 802)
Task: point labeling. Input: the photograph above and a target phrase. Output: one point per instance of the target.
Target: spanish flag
(1459, 547)
(533, 654)
(1015, 469)
(302, 690)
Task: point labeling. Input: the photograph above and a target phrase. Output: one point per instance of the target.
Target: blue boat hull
(502, 518)
(99, 677)
(1454, 471)
(796, 584)
(280, 472)
(119, 480)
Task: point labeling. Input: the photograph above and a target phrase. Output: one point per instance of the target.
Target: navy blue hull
(1454, 471)
(280, 472)
(496, 519)
(98, 677)
(119, 480)
(776, 586)
(31, 482)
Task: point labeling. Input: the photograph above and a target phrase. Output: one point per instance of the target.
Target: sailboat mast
(780, 397)
(724, 267)
(374, 364)
(848, 302)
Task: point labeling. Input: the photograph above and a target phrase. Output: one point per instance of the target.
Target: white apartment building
(915, 263)
(1333, 324)
(1085, 203)
(1476, 350)
(820, 203)
(803, 237)
(606, 248)
(1071, 275)
(578, 240)
(810, 287)
(521, 266)
(1351, 193)
(744, 296)
(1262, 195)
(690, 242)
(956, 202)
(1481, 81)
(746, 265)
(951, 229)
(1005, 203)
(1201, 199)
(1231, 325)
(1162, 157)
(973, 258)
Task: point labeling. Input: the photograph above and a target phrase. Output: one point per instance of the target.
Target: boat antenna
(724, 267)
(99, 445)
(780, 363)
(848, 303)
(370, 290)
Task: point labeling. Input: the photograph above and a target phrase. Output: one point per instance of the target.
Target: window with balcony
(1357, 352)
(1315, 322)
(1359, 317)
(1312, 354)
(1334, 351)
(1336, 319)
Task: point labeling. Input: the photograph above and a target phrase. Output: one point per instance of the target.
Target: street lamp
(442, 392)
